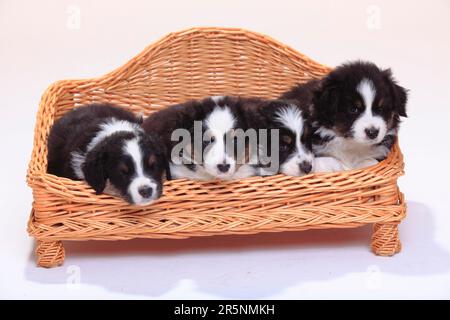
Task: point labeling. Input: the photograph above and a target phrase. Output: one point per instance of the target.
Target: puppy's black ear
(325, 101)
(165, 157)
(399, 93)
(94, 169)
(155, 144)
(167, 167)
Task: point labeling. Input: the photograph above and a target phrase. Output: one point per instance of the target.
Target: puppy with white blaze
(357, 109)
(210, 124)
(294, 138)
(106, 146)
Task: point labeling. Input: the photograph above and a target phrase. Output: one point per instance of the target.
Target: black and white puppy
(106, 146)
(294, 138)
(357, 111)
(209, 123)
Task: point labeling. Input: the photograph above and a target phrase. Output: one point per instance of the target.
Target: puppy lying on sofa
(106, 146)
(357, 109)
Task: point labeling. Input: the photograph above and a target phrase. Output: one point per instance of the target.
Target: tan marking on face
(287, 139)
(151, 160)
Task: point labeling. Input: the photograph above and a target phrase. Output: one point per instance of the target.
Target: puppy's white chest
(351, 154)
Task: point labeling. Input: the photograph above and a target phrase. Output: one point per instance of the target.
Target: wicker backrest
(185, 65)
(198, 63)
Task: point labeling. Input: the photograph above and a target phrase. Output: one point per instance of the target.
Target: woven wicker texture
(193, 64)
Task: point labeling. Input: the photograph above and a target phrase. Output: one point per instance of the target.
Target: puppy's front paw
(327, 164)
(366, 163)
(265, 172)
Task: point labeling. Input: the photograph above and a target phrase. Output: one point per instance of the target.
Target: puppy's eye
(379, 106)
(283, 147)
(123, 168)
(286, 139)
(212, 139)
(354, 109)
(151, 161)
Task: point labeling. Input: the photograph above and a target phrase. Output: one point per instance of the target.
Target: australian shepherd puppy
(287, 147)
(357, 110)
(106, 146)
(200, 136)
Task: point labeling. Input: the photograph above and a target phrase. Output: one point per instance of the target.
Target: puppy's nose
(305, 166)
(372, 132)
(145, 191)
(224, 167)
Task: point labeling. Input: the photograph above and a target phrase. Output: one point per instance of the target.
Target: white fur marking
(77, 161)
(367, 91)
(133, 149)
(325, 133)
(291, 117)
(110, 127)
(216, 99)
(219, 122)
(367, 119)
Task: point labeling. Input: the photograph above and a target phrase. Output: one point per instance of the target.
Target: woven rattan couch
(192, 64)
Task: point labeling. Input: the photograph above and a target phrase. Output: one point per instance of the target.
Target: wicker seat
(193, 64)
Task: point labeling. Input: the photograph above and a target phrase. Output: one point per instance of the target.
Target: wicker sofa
(192, 64)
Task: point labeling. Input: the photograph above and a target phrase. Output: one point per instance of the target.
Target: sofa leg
(49, 254)
(385, 240)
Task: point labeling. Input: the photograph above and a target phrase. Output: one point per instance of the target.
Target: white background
(39, 45)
